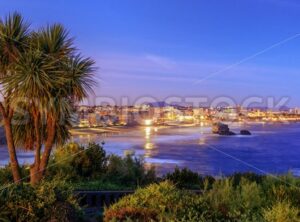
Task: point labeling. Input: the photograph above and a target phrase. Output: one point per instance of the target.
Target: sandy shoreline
(111, 130)
(117, 129)
(99, 130)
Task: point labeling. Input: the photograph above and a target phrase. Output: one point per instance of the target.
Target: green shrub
(157, 202)
(131, 214)
(280, 189)
(74, 162)
(129, 171)
(47, 202)
(224, 201)
(97, 160)
(234, 203)
(6, 174)
(184, 178)
(187, 179)
(77, 163)
(281, 212)
(252, 177)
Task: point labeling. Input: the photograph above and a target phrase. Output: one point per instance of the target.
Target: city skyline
(161, 49)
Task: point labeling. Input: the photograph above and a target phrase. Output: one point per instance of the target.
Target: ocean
(271, 149)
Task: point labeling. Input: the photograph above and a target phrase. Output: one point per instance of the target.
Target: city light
(148, 122)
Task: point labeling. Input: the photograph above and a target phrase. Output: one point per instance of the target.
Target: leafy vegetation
(76, 163)
(227, 199)
(281, 211)
(187, 179)
(49, 201)
(75, 167)
(239, 197)
(89, 167)
(129, 171)
(6, 176)
(163, 202)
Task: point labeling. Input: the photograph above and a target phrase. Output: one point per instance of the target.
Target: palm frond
(80, 77)
(54, 41)
(14, 35)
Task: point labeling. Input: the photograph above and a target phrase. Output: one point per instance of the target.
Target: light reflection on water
(271, 148)
(148, 144)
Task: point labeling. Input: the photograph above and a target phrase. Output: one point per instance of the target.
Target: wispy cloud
(158, 76)
(163, 62)
(158, 68)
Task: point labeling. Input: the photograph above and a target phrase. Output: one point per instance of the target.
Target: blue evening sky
(161, 48)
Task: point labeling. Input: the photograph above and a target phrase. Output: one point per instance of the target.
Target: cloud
(158, 68)
(164, 62)
(154, 75)
(152, 67)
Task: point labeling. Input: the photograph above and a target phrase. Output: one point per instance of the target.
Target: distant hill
(158, 104)
(284, 108)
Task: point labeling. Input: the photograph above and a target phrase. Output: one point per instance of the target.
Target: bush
(184, 178)
(74, 162)
(252, 177)
(226, 199)
(234, 203)
(6, 176)
(282, 188)
(187, 179)
(47, 202)
(157, 202)
(281, 211)
(131, 213)
(129, 171)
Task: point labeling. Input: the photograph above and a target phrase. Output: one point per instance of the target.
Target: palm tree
(14, 33)
(35, 76)
(79, 73)
(50, 77)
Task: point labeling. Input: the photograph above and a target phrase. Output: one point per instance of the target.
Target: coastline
(99, 130)
(114, 130)
(169, 146)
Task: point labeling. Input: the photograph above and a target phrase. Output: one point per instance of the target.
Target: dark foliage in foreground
(187, 179)
(90, 164)
(74, 162)
(239, 197)
(49, 201)
(271, 200)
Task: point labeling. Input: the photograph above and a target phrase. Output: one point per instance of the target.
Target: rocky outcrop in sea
(223, 129)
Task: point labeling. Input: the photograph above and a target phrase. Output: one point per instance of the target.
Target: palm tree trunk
(48, 146)
(14, 164)
(35, 167)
